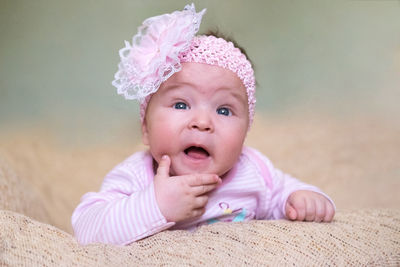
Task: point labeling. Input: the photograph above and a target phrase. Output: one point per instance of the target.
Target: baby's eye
(224, 111)
(181, 105)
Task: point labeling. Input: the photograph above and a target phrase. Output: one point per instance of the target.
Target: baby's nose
(202, 121)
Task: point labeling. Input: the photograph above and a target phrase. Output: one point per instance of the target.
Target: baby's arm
(130, 207)
(299, 201)
(125, 209)
(293, 199)
(306, 205)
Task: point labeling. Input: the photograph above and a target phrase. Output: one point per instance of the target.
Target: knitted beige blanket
(355, 238)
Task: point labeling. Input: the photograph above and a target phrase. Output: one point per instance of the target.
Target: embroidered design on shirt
(229, 215)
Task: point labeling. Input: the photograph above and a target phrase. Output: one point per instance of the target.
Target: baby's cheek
(231, 149)
(234, 141)
(161, 140)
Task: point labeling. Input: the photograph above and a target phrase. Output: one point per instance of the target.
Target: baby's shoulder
(254, 157)
(133, 172)
(138, 163)
(138, 158)
(254, 161)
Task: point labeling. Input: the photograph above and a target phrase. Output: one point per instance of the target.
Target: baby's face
(199, 118)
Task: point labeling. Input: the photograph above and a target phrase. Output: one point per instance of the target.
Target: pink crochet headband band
(163, 43)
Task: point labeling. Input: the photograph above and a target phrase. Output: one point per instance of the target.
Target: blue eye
(180, 105)
(224, 111)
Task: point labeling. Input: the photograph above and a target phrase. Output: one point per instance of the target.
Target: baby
(197, 100)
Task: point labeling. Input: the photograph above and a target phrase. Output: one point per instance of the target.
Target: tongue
(197, 153)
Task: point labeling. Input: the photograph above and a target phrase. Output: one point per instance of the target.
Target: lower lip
(196, 159)
(200, 155)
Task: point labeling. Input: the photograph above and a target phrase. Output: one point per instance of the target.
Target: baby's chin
(188, 171)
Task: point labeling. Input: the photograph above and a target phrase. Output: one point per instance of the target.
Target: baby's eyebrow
(170, 90)
(233, 93)
(176, 86)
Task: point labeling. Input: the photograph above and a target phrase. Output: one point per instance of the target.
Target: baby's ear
(145, 134)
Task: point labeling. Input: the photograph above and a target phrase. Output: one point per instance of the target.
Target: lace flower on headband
(154, 54)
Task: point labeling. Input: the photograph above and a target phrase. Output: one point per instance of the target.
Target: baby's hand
(305, 205)
(182, 197)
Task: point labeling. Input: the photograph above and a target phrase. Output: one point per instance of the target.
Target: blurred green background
(58, 58)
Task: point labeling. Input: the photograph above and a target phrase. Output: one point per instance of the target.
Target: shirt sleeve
(123, 211)
(281, 186)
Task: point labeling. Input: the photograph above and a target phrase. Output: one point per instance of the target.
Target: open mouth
(197, 152)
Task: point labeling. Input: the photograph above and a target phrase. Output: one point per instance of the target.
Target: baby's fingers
(291, 213)
(329, 212)
(203, 189)
(320, 211)
(200, 202)
(163, 166)
(203, 179)
(198, 212)
(299, 204)
(310, 209)
(296, 208)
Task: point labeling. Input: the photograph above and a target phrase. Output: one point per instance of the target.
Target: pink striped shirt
(125, 209)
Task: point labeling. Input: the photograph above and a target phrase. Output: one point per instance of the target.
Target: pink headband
(163, 43)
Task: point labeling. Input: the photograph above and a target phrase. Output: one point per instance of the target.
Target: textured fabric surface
(355, 238)
(17, 194)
